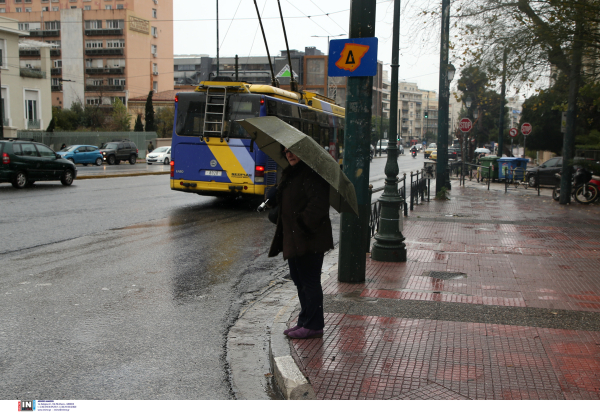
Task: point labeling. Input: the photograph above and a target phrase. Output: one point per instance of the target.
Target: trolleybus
(213, 155)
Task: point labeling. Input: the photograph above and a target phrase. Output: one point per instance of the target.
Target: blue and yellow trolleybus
(213, 155)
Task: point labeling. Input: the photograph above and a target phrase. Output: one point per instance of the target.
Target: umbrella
(270, 133)
(481, 150)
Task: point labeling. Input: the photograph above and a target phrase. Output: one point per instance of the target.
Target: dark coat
(303, 225)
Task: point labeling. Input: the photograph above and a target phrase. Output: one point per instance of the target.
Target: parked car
(546, 171)
(159, 155)
(430, 148)
(25, 162)
(452, 154)
(455, 149)
(83, 154)
(382, 145)
(117, 150)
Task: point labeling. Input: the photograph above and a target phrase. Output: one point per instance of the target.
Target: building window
(92, 101)
(154, 13)
(115, 44)
(28, 1)
(94, 82)
(18, 9)
(115, 24)
(55, 81)
(109, 7)
(54, 43)
(27, 9)
(18, 1)
(55, 8)
(155, 31)
(2, 1)
(87, 7)
(94, 44)
(57, 63)
(154, 68)
(153, 48)
(115, 62)
(2, 10)
(44, 8)
(120, 7)
(155, 87)
(93, 24)
(31, 105)
(315, 71)
(116, 82)
(52, 25)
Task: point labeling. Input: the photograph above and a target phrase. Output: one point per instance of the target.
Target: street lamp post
(468, 102)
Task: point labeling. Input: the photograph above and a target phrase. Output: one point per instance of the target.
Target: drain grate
(445, 275)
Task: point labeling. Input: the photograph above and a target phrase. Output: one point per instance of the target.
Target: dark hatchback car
(25, 162)
(547, 171)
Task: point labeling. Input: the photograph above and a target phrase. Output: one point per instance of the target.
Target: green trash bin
(490, 161)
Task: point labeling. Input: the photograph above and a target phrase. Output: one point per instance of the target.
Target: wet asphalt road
(123, 289)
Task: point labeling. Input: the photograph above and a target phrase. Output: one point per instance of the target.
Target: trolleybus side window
(190, 119)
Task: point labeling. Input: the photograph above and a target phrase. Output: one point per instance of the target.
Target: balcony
(54, 52)
(33, 124)
(103, 52)
(44, 33)
(104, 88)
(29, 52)
(55, 71)
(103, 32)
(34, 73)
(56, 88)
(100, 70)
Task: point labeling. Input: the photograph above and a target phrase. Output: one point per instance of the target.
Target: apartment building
(25, 90)
(101, 50)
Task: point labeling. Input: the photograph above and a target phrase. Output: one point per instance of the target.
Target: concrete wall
(72, 56)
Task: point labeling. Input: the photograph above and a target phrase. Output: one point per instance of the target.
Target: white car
(159, 155)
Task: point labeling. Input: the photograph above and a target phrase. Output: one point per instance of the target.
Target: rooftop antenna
(293, 83)
(274, 81)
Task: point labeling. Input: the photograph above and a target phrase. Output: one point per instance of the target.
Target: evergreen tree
(150, 126)
(51, 126)
(139, 127)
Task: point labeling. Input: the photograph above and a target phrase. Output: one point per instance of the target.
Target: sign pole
(352, 258)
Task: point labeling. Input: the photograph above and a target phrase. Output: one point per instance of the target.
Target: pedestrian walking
(303, 234)
(64, 146)
(150, 147)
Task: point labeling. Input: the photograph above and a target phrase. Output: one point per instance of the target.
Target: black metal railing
(418, 188)
(375, 209)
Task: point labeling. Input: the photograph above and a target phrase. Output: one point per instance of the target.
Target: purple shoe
(303, 333)
(285, 332)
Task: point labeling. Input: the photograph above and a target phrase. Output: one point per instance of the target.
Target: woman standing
(304, 234)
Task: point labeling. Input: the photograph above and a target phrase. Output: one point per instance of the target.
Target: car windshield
(109, 146)
(161, 149)
(432, 146)
(70, 148)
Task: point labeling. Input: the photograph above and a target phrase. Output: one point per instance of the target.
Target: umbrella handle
(262, 206)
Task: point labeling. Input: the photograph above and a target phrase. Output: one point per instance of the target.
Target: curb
(121, 175)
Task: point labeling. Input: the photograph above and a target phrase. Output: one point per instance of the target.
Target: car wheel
(166, 162)
(67, 178)
(98, 161)
(132, 159)
(531, 181)
(20, 180)
(111, 160)
(117, 162)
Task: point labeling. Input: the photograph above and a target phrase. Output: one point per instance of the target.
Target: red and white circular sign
(513, 132)
(465, 124)
(525, 128)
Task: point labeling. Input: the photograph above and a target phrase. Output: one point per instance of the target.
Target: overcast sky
(239, 32)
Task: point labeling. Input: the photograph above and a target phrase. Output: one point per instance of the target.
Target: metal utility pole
(442, 177)
(389, 242)
(502, 97)
(352, 258)
(218, 38)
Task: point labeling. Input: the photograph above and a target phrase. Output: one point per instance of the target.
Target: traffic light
(426, 115)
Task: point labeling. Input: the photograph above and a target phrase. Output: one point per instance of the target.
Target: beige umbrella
(270, 133)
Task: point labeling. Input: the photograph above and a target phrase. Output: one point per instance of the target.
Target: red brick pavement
(519, 251)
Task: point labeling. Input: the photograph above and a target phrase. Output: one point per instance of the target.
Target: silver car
(159, 155)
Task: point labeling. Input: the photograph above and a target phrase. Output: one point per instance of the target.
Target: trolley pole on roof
(352, 257)
(218, 38)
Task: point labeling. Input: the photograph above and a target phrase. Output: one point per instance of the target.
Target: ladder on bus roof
(214, 112)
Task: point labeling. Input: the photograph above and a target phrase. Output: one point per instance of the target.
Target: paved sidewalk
(499, 299)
